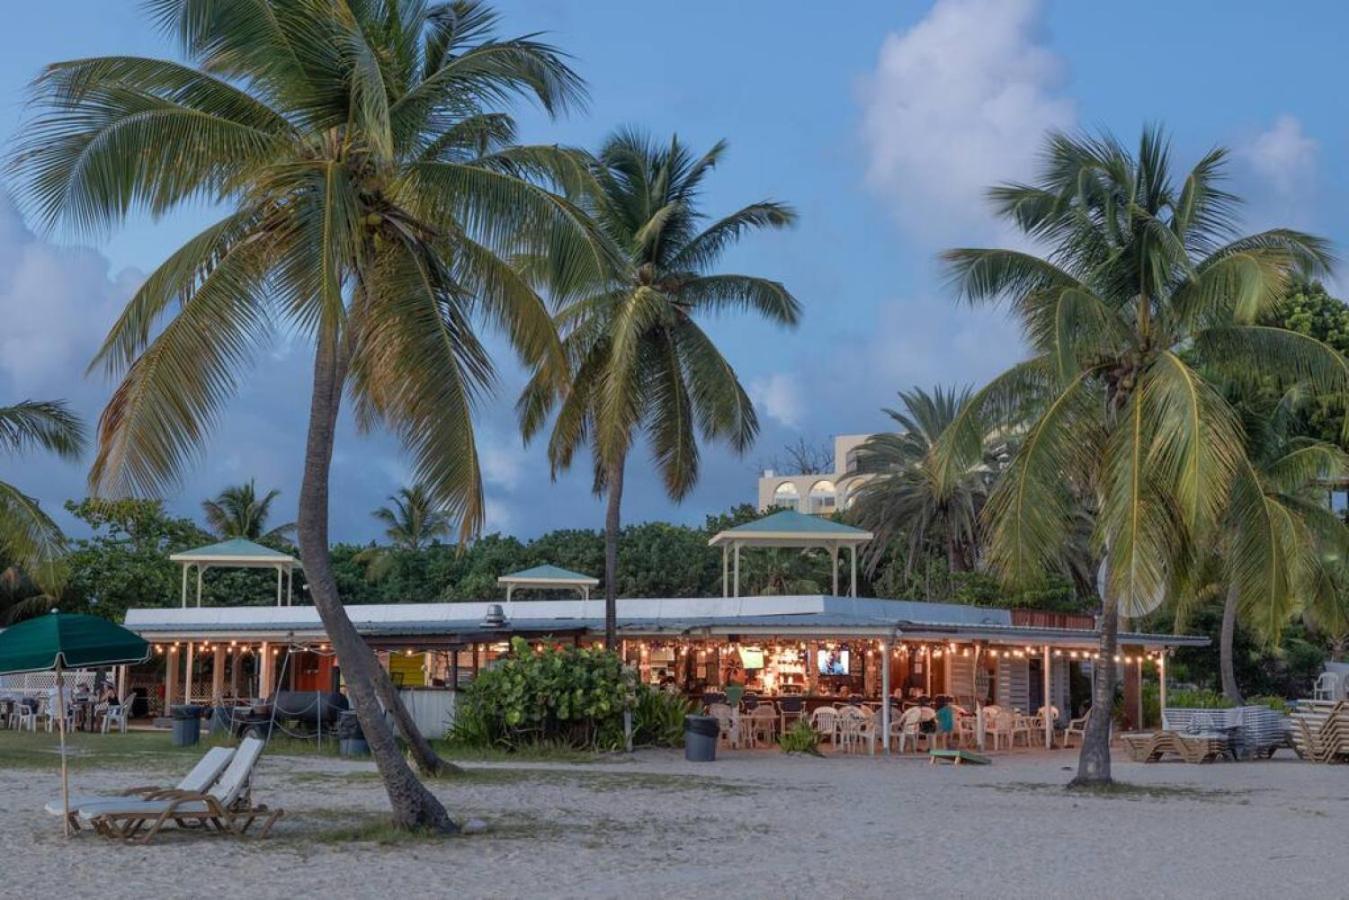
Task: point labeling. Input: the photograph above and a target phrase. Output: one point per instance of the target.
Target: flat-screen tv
(832, 662)
(751, 658)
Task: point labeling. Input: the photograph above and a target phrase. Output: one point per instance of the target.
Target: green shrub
(1278, 704)
(800, 738)
(569, 697)
(658, 718)
(1198, 699)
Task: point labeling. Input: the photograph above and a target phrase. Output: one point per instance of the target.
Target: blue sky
(882, 127)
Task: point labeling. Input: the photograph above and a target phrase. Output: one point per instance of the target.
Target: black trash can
(186, 725)
(350, 737)
(700, 738)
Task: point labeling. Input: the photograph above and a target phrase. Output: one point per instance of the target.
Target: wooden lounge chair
(227, 807)
(202, 776)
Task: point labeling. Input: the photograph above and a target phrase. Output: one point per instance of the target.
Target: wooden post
(725, 572)
(1133, 695)
(278, 585)
(187, 677)
(121, 683)
(885, 694)
(1048, 700)
(218, 676)
(265, 670)
(184, 585)
(170, 677)
(200, 568)
(1161, 687)
(454, 669)
(235, 657)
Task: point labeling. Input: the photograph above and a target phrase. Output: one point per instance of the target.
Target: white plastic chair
(23, 715)
(117, 714)
(729, 722)
(763, 722)
(824, 720)
(907, 728)
(1076, 727)
(1327, 686)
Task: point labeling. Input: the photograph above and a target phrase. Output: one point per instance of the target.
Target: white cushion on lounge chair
(226, 790)
(202, 776)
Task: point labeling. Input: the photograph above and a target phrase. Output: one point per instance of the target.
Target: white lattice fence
(35, 683)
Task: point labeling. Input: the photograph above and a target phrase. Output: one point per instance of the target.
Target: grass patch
(133, 750)
(1124, 791)
(603, 782)
(374, 828)
(457, 753)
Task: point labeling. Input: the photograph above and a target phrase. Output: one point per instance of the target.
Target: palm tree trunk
(1226, 638)
(955, 557)
(613, 478)
(1093, 763)
(414, 807)
(429, 763)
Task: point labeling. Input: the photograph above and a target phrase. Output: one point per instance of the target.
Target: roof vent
(495, 618)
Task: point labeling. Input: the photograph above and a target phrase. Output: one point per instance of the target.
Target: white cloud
(779, 397)
(956, 103)
(1284, 156)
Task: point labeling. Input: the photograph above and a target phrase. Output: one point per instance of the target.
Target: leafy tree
(1143, 296)
(373, 192)
(934, 502)
(413, 520)
(238, 512)
(640, 361)
(31, 544)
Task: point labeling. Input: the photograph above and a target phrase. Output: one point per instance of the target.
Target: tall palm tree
(372, 190)
(905, 491)
(238, 512)
(31, 544)
(641, 361)
(1144, 294)
(414, 520)
(1279, 550)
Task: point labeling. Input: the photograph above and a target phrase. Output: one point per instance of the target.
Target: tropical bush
(800, 738)
(1278, 704)
(572, 697)
(658, 718)
(1198, 699)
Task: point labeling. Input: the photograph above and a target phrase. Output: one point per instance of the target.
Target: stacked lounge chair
(1321, 730)
(1254, 731)
(1155, 746)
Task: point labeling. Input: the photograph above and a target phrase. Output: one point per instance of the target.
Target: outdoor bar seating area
(868, 674)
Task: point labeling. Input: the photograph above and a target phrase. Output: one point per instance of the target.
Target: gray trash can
(186, 725)
(350, 737)
(700, 738)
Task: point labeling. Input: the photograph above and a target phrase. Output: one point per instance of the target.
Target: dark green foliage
(1287, 670)
(126, 562)
(573, 697)
(658, 718)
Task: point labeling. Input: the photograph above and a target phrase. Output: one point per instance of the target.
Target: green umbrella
(64, 641)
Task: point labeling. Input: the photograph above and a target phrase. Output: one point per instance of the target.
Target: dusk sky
(882, 122)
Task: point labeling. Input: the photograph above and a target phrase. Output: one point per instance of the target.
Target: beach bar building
(814, 647)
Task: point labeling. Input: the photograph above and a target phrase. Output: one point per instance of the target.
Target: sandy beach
(751, 824)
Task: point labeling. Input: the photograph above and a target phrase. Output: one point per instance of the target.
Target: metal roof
(539, 575)
(791, 528)
(237, 552)
(802, 616)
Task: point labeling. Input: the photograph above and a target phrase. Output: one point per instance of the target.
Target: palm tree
(31, 544)
(1144, 295)
(641, 362)
(372, 189)
(1279, 550)
(904, 491)
(238, 512)
(414, 520)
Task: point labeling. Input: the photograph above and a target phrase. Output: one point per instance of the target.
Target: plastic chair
(824, 720)
(729, 721)
(117, 715)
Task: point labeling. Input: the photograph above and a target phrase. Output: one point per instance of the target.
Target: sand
(752, 824)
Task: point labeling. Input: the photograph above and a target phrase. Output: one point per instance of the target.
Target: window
(786, 496)
(823, 497)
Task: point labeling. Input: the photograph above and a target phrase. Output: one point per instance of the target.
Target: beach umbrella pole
(65, 772)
